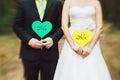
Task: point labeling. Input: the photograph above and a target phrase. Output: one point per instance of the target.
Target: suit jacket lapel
(49, 3)
(34, 8)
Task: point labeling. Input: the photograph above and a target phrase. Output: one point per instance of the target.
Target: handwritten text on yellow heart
(82, 38)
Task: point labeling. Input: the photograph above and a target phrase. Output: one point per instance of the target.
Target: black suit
(26, 14)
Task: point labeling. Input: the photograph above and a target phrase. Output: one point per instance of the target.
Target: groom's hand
(35, 43)
(47, 42)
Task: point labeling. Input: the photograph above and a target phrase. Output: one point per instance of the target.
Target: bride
(80, 61)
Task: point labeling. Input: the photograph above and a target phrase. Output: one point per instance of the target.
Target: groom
(38, 53)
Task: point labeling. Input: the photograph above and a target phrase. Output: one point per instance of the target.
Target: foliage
(109, 15)
(6, 15)
(111, 29)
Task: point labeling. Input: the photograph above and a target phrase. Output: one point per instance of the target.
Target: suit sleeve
(19, 26)
(58, 33)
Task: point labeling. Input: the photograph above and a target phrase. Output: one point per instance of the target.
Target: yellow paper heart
(82, 38)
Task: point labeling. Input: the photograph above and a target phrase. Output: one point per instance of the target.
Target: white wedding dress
(72, 66)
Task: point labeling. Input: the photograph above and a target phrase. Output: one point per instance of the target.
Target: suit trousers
(32, 69)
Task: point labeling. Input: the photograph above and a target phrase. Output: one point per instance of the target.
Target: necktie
(41, 4)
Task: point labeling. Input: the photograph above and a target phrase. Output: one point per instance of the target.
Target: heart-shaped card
(82, 37)
(41, 29)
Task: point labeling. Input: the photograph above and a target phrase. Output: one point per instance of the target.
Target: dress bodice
(82, 18)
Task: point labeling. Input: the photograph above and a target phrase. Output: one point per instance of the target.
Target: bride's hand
(78, 49)
(86, 52)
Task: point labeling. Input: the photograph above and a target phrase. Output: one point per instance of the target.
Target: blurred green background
(10, 64)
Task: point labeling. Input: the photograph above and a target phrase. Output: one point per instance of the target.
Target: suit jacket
(26, 14)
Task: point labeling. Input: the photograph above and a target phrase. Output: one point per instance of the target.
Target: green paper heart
(41, 29)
